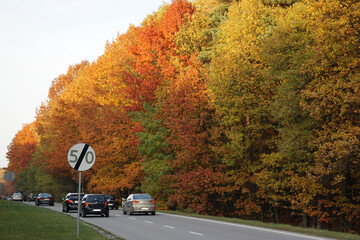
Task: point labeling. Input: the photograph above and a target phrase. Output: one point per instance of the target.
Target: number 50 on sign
(81, 156)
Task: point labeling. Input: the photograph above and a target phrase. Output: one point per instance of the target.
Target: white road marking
(199, 234)
(148, 222)
(251, 227)
(169, 226)
(132, 218)
(118, 215)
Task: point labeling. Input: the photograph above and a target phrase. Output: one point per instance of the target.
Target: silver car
(17, 197)
(139, 203)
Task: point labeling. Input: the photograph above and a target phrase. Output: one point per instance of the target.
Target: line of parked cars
(90, 203)
(98, 204)
(41, 198)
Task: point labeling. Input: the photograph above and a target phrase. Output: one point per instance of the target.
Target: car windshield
(17, 194)
(95, 198)
(142, 196)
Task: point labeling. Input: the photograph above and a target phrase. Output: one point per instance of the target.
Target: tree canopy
(233, 108)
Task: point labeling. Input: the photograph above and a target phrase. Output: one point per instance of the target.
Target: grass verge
(22, 221)
(282, 227)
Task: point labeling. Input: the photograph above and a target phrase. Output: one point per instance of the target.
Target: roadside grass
(22, 221)
(280, 227)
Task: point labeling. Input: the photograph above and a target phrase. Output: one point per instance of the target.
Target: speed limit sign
(81, 156)
(9, 176)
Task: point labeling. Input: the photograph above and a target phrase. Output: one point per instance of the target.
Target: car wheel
(131, 212)
(153, 213)
(107, 214)
(124, 212)
(63, 210)
(66, 208)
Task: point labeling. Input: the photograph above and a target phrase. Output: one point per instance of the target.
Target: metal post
(9, 193)
(78, 218)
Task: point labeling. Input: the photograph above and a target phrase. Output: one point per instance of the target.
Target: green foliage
(35, 180)
(25, 180)
(219, 15)
(154, 150)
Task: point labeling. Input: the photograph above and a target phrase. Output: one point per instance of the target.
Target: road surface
(175, 227)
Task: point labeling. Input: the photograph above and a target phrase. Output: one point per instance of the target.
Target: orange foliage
(21, 150)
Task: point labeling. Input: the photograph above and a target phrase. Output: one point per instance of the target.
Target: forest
(238, 108)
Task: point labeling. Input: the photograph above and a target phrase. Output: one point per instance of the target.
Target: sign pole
(78, 217)
(9, 193)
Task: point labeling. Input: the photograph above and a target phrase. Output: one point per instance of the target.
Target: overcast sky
(39, 39)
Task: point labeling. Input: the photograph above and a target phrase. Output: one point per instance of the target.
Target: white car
(17, 197)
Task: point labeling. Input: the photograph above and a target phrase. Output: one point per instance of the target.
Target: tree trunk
(276, 212)
(305, 220)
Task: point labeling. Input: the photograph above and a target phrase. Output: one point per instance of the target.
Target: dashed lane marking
(169, 226)
(199, 234)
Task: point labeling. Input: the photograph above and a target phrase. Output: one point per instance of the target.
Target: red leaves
(176, 15)
(195, 189)
(153, 53)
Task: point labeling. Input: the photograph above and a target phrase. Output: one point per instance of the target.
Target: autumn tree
(282, 175)
(332, 99)
(21, 150)
(241, 96)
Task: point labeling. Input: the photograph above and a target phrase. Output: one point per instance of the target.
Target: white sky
(39, 39)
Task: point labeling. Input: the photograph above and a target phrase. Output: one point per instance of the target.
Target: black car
(23, 195)
(44, 198)
(94, 204)
(70, 202)
(31, 197)
(112, 201)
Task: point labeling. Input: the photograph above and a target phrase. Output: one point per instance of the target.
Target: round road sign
(9, 176)
(81, 156)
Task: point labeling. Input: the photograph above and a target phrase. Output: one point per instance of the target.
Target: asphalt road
(174, 227)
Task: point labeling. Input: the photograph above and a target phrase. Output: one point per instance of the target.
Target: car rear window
(109, 197)
(45, 195)
(142, 196)
(75, 196)
(94, 198)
